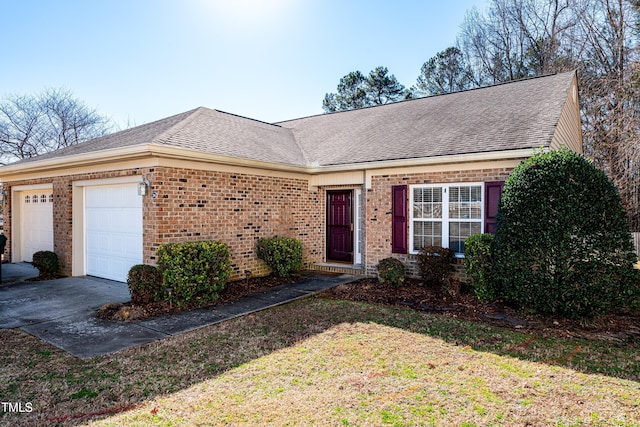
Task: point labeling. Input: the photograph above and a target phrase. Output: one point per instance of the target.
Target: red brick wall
(234, 208)
(378, 211)
(239, 208)
(200, 205)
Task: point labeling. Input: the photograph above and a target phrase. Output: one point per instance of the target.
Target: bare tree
(52, 119)
(610, 96)
(494, 44)
(520, 38)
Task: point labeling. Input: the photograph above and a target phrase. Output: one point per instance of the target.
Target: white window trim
(445, 211)
(357, 234)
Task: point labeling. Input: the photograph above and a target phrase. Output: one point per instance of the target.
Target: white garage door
(37, 223)
(113, 230)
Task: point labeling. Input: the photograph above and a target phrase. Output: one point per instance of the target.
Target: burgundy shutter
(399, 219)
(492, 193)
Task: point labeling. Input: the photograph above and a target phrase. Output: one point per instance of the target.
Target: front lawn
(330, 362)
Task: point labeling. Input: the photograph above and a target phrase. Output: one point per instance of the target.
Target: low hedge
(391, 271)
(47, 264)
(145, 284)
(436, 265)
(194, 273)
(283, 255)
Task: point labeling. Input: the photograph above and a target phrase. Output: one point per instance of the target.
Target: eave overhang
(57, 165)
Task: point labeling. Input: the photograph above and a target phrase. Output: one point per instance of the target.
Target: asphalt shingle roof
(510, 116)
(516, 115)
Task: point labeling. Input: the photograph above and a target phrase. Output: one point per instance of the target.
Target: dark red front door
(339, 226)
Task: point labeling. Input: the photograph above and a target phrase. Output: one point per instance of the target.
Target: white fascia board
(136, 152)
(430, 161)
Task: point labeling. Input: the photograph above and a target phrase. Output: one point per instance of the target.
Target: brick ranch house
(354, 187)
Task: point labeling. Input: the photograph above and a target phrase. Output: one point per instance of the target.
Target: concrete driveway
(62, 312)
(24, 303)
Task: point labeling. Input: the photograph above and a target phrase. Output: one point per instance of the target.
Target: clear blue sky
(271, 60)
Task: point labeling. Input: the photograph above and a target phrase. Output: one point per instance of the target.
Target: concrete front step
(339, 268)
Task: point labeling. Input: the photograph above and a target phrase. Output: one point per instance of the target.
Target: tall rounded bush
(562, 242)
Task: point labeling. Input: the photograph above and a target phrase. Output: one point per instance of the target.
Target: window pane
(417, 210)
(454, 194)
(476, 193)
(465, 210)
(465, 202)
(454, 228)
(465, 194)
(427, 202)
(458, 233)
(426, 233)
(436, 210)
(436, 194)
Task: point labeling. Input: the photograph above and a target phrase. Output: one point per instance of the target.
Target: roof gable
(216, 132)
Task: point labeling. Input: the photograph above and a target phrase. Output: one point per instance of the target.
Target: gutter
(150, 151)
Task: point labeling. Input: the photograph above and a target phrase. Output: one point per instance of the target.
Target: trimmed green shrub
(391, 271)
(283, 255)
(563, 244)
(478, 264)
(195, 272)
(436, 265)
(47, 264)
(145, 284)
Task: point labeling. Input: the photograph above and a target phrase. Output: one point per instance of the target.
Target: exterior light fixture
(143, 188)
(3, 196)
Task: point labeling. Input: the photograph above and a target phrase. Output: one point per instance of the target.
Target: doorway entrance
(340, 225)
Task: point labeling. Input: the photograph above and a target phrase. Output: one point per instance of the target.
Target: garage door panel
(112, 197)
(37, 223)
(113, 230)
(127, 219)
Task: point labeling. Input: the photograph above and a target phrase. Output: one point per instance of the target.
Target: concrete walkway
(62, 312)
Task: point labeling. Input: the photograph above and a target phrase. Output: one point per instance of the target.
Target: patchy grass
(330, 362)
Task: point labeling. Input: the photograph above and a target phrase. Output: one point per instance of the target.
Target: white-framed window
(445, 215)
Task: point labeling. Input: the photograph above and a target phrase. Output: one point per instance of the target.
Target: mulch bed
(232, 292)
(624, 327)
